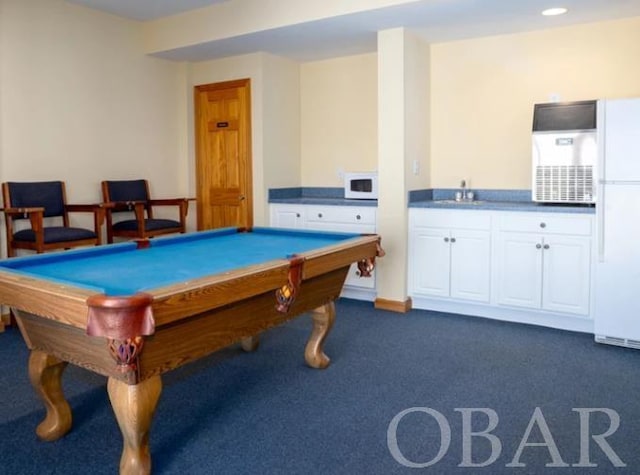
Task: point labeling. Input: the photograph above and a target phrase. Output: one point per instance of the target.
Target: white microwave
(361, 186)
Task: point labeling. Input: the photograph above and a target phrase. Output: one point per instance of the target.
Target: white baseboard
(509, 314)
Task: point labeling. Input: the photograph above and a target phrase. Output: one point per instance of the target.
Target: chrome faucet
(463, 185)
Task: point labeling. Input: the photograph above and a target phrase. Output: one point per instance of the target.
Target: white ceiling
(434, 20)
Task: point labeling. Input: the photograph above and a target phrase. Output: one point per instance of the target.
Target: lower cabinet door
(519, 269)
(470, 265)
(430, 256)
(566, 274)
(287, 216)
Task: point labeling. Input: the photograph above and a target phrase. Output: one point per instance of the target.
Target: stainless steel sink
(464, 202)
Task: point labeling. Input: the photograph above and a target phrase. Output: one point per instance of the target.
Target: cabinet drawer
(556, 223)
(450, 218)
(341, 214)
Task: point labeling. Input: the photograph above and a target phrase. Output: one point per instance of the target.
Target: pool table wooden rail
(68, 304)
(62, 303)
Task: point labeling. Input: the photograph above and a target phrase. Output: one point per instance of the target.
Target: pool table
(132, 311)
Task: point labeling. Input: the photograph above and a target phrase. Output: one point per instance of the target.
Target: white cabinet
(352, 219)
(287, 216)
(450, 254)
(341, 218)
(519, 269)
(543, 261)
(429, 261)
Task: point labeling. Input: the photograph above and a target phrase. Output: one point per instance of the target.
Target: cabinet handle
(446, 239)
(543, 225)
(546, 246)
(319, 215)
(358, 216)
(297, 215)
(538, 246)
(453, 239)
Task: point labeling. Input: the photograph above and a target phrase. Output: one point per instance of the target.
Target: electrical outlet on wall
(416, 167)
(555, 97)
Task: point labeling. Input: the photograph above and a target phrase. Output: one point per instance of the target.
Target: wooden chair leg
(6, 319)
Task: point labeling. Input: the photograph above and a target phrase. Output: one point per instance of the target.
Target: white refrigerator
(617, 272)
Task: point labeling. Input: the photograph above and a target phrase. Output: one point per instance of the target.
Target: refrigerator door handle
(601, 176)
(600, 223)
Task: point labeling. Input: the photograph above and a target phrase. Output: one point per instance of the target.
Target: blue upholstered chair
(131, 199)
(44, 205)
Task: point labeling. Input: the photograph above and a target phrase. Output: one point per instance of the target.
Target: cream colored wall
(281, 123)
(339, 130)
(483, 91)
(275, 119)
(82, 103)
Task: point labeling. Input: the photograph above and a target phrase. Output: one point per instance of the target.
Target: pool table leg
(134, 406)
(45, 373)
(323, 318)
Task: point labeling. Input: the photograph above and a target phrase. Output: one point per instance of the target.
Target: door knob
(241, 197)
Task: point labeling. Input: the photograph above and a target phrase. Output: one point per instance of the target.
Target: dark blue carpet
(267, 412)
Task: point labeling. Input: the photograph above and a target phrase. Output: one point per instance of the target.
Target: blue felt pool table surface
(122, 269)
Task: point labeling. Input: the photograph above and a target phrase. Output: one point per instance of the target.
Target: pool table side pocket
(321, 261)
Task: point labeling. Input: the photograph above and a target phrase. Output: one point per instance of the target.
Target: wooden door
(223, 154)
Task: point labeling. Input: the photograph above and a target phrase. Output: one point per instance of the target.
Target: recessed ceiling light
(554, 11)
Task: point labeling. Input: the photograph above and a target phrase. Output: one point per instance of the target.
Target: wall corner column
(403, 154)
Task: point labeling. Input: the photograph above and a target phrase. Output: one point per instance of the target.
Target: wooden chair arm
(22, 211)
(183, 203)
(35, 215)
(168, 202)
